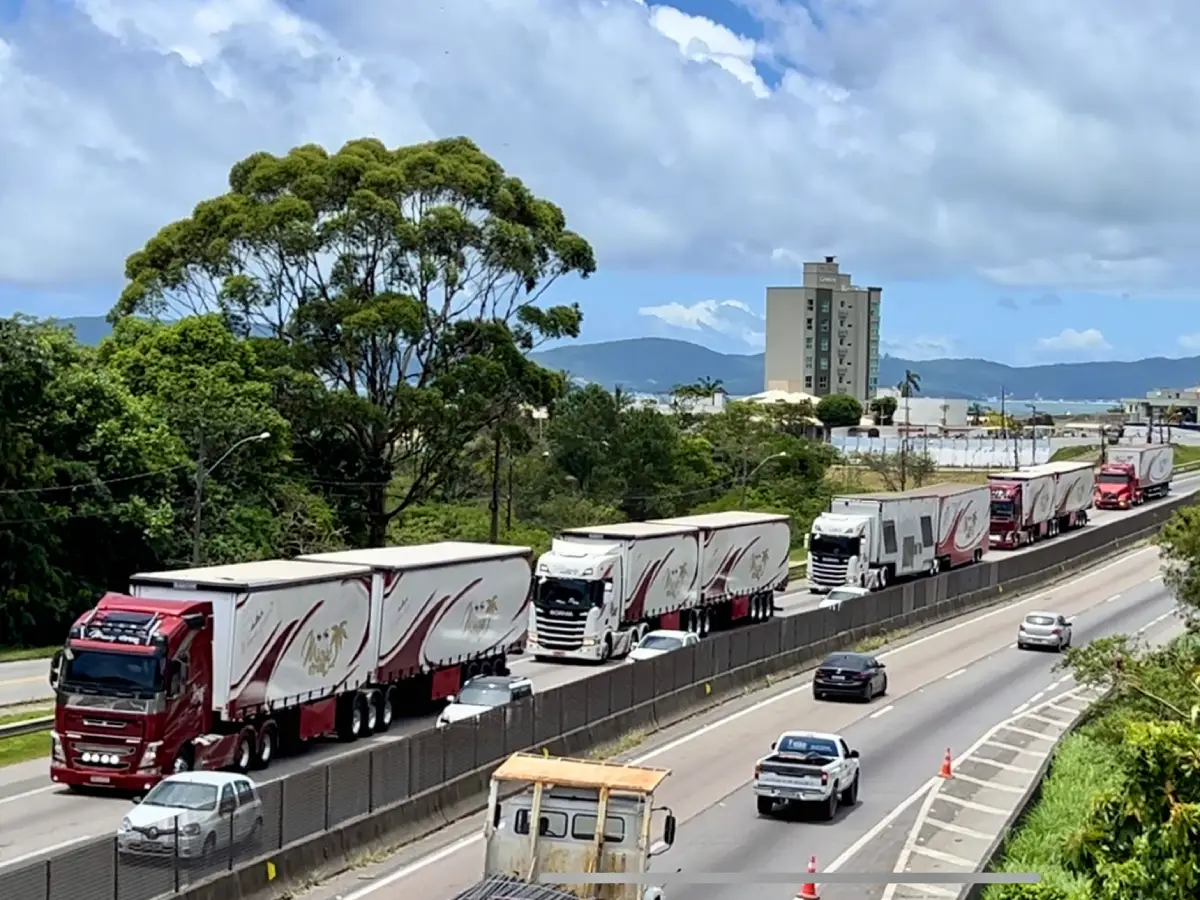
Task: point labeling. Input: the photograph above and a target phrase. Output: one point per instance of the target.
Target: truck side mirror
(669, 829)
(55, 667)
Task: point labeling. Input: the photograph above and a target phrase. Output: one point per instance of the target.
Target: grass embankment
(21, 654)
(1185, 454)
(24, 747)
(861, 480)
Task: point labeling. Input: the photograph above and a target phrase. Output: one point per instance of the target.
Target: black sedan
(859, 676)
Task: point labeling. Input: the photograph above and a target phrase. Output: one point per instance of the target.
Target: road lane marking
(948, 858)
(1113, 599)
(959, 829)
(990, 785)
(1036, 697)
(880, 712)
(1020, 709)
(1007, 767)
(955, 674)
(971, 804)
(1039, 754)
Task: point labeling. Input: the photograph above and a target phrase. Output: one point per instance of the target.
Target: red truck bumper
(104, 780)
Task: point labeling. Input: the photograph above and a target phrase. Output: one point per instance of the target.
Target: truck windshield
(830, 545)
(1002, 510)
(570, 593)
(103, 671)
(1113, 478)
(807, 746)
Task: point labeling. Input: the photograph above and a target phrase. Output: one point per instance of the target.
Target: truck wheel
(243, 759)
(850, 794)
(267, 741)
(349, 719)
(184, 762)
(765, 805)
(606, 652)
(830, 807)
(386, 711)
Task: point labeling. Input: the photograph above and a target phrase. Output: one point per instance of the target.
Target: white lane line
(880, 712)
(1038, 735)
(1113, 599)
(948, 858)
(990, 785)
(959, 829)
(1156, 578)
(955, 674)
(971, 804)
(1038, 754)
(1020, 709)
(1007, 767)
(1038, 696)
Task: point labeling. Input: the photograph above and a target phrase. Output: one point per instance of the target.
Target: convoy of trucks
(599, 590)
(1039, 502)
(1132, 475)
(223, 666)
(870, 540)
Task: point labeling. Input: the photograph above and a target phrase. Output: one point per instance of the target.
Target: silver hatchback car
(1045, 630)
(192, 815)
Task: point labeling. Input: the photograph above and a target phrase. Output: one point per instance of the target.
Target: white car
(482, 693)
(1044, 629)
(844, 594)
(193, 815)
(656, 643)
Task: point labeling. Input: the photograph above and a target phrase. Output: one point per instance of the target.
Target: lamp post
(1032, 433)
(202, 473)
(746, 479)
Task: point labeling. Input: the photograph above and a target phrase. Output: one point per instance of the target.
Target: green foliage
(839, 411)
(1120, 813)
(1179, 545)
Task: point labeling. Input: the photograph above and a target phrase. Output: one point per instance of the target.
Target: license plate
(838, 678)
(100, 779)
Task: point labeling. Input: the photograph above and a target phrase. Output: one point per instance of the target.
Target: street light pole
(202, 473)
(747, 479)
(1032, 434)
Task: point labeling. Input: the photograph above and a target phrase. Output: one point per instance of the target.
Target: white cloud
(731, 318)
(1030, 142)
(1089, 341)
(1190, 342)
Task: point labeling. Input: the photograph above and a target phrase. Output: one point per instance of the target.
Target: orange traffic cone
(945, 772)
(808, 890)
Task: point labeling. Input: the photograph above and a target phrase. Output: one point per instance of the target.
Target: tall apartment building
(823, 337)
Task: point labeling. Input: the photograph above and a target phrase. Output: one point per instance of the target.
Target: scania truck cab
(574, 608)
(839, 552)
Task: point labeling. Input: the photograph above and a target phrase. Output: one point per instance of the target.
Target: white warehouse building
(929, 412)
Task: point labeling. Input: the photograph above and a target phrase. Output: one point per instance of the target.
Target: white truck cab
(576, 610)
(839, 552)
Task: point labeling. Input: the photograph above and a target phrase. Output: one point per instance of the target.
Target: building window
(824, 306)
(808, 343)
(808, 324)
(825, 325)
(825, 344)
(810, 302)
(824, 362)
(808, 381)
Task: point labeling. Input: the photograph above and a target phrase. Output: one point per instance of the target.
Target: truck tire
(184, 761)
(243, 757)
(850, 794)
(829, 808)
(387, 710)
(268, 743)
(765, 805)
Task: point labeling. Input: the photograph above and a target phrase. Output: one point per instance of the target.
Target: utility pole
(203, 472)
(1032, 434)
(494, 527)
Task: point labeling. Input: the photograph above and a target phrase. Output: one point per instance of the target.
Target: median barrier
(320, 820)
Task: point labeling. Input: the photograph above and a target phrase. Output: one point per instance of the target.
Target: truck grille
(560, 629)
(828, 572)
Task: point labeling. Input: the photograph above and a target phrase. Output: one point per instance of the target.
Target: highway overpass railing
(320, 820)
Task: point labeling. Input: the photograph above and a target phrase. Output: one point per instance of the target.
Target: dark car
(856, 675)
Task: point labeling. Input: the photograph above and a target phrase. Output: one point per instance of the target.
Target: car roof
(819, 735)
(667, 632)
(216, 779)
(847, 654)
(1052, 615)
(497, 681)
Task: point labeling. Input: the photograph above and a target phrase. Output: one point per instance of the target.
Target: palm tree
(909, 385)
(976, 412)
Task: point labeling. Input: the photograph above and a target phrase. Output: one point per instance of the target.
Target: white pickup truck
(807, 767)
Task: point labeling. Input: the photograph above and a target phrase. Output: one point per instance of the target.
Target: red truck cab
(1117, 486)
(1006, 514)
(132, 689)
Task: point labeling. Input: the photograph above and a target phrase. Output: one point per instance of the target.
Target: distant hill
(655, 365)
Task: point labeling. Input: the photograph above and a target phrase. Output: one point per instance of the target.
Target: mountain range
(655, 365)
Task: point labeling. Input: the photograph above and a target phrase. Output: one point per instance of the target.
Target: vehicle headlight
(192, 828)
(125, 826)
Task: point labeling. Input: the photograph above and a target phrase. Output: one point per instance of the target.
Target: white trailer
(743, 563)
(1133, 475)
(283, 632)
(869, 540)
(961, 524)
(600, 589)
(1074, 485)
(442, 613)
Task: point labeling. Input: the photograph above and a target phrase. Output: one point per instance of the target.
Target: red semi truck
(223, 666)
(1133, 475)
(1039, 502)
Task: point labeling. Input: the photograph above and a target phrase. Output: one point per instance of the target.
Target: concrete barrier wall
(319, 820)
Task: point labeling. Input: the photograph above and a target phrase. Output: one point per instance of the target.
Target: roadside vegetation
(1119, 814)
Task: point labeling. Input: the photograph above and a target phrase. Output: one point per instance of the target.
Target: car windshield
(660, 642)
(840, 594)
(101, 669)
(484, 695)
(183, 795)
(857, 663)
(807, 746)
(1039, 620)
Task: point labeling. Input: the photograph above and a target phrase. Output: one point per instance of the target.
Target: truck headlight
(150, 755)
(56, 748)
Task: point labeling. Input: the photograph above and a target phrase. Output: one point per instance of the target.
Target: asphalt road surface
(52, 819)
(949, 686)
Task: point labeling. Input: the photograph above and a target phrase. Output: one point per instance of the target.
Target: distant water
(1057, 407)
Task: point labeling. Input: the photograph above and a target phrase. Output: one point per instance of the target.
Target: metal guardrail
(26, 726)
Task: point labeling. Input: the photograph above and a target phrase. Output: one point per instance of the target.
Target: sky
(1019, 177)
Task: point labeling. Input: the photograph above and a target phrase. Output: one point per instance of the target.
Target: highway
(52, 819)
(24, 681)
(949, 686)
